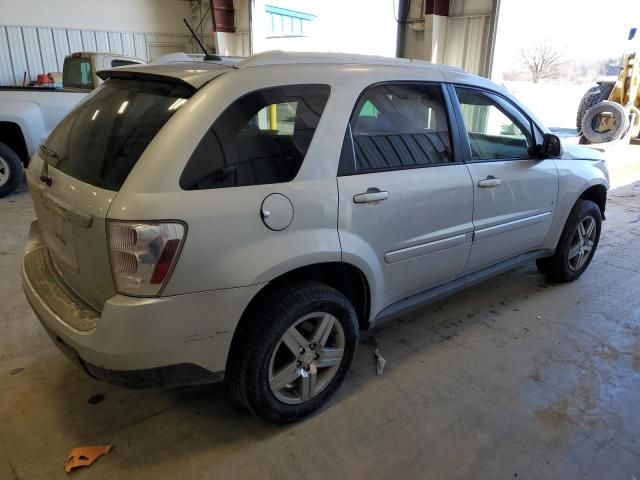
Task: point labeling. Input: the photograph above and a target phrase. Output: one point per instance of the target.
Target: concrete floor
(513, 378)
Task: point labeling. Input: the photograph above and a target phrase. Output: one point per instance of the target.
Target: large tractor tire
(593, 96)
(593, 130)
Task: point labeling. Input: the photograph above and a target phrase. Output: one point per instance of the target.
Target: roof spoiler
(130, 74)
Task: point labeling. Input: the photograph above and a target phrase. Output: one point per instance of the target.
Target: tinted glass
(397, 126)
(122, 63)
(101, 140)
(261, 138)
(76, 73)
(495, 130)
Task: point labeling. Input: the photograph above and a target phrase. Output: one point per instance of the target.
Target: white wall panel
(32, 50)
(47, 50)
(140, 46)
(102, 41)
(466, 43)
(42, 49)
(115, 42)
(61, 44)
(6, 67)
(18, 54)
(75, 40)
(128, 48)
(89, 41)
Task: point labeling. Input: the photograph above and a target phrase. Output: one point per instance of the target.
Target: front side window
(262, 138)
(495, 131)
(400, 126)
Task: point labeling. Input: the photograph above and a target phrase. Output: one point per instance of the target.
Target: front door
(405, 203)
(514, 192)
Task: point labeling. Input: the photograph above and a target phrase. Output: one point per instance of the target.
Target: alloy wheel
(582, 243)
(306, 358)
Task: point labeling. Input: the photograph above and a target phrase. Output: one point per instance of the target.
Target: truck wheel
(11, 170)
(296, 353)
(577, 244)
(605, 122)
(592, 97)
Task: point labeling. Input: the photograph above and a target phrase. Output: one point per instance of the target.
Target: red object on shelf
(223, 16)
(43, 79)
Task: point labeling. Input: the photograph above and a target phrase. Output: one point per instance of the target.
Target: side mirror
(551, 145)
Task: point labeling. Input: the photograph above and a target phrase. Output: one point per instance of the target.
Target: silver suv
(199, 221)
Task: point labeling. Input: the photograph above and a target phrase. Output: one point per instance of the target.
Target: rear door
(405, 202)
(515, 192)
(82, 165)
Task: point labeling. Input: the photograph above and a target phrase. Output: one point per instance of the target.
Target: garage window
(400, 126)
(261, 138)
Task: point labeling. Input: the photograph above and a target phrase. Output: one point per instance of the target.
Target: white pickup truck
(28, 114)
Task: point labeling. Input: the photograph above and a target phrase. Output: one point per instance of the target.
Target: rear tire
(11, 170)
(592, 97)
(620, 127)
(278, 384)
(573, 255)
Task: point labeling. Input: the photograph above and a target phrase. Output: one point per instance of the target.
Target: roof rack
(279, 57)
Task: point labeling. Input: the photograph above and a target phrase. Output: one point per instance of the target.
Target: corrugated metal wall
(42, 49)
(466, 43)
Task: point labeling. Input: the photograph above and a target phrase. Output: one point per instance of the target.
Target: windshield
(100, 141)
(76, 73)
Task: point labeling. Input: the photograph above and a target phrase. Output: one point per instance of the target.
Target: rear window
(262, 138)
(101, 140)
(122, 63)
(76, 73)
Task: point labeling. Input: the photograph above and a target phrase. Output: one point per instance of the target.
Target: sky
(581, 29)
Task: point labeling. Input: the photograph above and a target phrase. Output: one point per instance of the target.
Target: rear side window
(400, 126)
(76, 73)
(261, 138)
(100, 141)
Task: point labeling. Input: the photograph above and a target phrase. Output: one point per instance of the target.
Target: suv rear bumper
(135, 342)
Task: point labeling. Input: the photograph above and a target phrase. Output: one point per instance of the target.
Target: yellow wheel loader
(611, 110)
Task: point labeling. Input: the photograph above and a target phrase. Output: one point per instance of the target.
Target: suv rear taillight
(143, 255)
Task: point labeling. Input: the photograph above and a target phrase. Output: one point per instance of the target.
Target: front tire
(11, 170)
(296, 353)
(577, 244)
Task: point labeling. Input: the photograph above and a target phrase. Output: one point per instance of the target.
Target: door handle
(489, 182)
(372, 196)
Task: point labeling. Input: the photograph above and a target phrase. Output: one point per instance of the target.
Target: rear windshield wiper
(47, 153)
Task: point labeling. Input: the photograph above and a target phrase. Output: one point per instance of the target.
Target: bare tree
(542, 61)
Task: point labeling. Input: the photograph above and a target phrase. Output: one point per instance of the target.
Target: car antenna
(207, 55)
